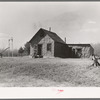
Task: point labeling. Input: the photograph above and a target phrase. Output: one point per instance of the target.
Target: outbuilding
(81, 50)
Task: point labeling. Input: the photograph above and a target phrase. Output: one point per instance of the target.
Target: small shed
(81, 50)
(48, 44)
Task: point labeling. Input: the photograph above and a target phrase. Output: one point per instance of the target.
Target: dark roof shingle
(53, 35)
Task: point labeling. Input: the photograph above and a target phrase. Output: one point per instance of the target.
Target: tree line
(22, 51)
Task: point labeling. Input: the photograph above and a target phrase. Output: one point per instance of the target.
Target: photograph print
(50, 44)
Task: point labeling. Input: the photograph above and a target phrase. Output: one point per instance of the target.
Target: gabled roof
(79, 44)
(53, 35)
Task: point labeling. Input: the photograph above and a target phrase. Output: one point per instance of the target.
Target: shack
(48, 44)
(81, 50)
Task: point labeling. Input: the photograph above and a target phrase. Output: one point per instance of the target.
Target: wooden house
(81, 50)
(48, 44)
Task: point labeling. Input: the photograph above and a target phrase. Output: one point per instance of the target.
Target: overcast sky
(79, 22)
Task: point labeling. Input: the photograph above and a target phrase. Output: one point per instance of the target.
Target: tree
(20, 51)
(27, 48)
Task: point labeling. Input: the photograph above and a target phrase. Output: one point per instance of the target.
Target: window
(49, 47)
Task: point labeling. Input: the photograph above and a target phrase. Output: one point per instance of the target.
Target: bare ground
(48, 72)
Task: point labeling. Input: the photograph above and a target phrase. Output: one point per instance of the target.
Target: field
(48, 72)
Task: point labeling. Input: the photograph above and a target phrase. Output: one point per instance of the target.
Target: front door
(39, 49)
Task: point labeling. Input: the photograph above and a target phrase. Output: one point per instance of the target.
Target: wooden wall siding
(86, 52)
(70, 53)
(91, 50)
(61, 50)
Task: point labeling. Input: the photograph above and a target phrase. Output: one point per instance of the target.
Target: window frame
(49, 47)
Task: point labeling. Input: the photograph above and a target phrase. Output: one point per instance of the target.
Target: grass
(47, 72)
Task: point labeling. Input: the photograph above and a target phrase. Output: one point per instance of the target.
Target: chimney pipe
(49, 28)
(65, 39)
(12, 45)
(9, 47)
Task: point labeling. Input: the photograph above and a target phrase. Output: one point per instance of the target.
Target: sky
(79, 22)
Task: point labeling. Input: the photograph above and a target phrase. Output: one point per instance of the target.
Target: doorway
(39, 49)
(79, 53)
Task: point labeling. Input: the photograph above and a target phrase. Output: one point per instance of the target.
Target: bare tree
(20, 51)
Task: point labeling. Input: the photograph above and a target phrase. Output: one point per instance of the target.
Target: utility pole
(12, 45)
(65, 39)
(50, 29)
(9, 47)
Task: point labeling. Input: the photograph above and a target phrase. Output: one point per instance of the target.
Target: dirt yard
(48, 72)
